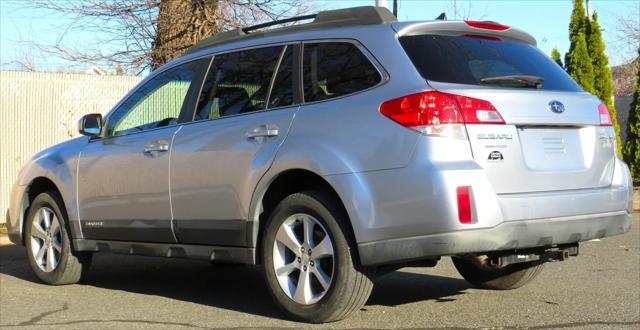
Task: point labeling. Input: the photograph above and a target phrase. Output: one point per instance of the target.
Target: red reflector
(464, 204)
(487, 25)
(477, 36)
(605, 117)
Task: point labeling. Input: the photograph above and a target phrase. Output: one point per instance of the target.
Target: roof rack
(366, 15)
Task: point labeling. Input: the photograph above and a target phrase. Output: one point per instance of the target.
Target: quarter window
(238, 83)
(333, 69)
(157, 103)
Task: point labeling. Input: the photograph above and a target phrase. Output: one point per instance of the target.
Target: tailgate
(538, 149)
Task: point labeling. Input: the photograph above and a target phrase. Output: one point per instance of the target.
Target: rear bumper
(505, 236)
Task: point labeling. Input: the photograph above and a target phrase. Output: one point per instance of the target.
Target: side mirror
(90, 125)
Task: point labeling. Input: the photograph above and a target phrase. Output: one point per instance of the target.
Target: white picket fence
(38, 110)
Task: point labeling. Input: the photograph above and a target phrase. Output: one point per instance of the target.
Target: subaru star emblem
(556, 106)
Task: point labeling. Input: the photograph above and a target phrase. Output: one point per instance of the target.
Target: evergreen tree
(603, 82)
(555, 56)
(577, 60)
(632, 146)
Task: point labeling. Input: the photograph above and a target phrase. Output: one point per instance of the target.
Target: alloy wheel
(46, 239)
(303, 258)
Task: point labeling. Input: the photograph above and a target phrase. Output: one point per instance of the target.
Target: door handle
(262, 131)
(159, 146)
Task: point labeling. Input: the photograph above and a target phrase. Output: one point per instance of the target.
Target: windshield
(472, 59)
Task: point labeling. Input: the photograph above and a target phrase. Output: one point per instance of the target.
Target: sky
(22, 26)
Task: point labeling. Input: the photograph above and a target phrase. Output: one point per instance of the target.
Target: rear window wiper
(514, 81)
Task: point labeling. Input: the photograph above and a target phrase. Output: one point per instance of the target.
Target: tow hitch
(558, 253)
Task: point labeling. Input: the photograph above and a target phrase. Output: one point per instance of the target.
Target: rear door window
(238, 83)
(283, 88)
(469, 59)
(332, 69)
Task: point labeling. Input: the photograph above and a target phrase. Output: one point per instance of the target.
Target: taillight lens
(463, 195)
(440, 114)
(605, 117)
(487, 25)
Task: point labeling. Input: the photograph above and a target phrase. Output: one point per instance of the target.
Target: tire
(349, 284)
(477, 271)
(58, 264)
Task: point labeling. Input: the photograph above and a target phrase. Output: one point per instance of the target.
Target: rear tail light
(440, 114)
(605, 117)
(487, 25)
(464, 204)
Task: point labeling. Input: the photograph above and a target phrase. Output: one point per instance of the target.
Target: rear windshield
(468, 59)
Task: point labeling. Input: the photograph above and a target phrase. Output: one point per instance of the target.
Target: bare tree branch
(138, 35)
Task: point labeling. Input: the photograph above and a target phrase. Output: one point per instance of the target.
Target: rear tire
(337, 284)
(477, 271)
(48, 242)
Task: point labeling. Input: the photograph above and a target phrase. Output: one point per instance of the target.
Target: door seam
(173, 231)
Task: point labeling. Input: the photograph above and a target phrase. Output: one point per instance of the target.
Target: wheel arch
(283, 184)
(37, 186)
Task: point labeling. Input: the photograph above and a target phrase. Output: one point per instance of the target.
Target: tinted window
(157, 103)
(282, 91)
(238, 83)
(335, 69)
(467, 60)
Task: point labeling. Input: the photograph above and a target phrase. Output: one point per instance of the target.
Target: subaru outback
(331, 151)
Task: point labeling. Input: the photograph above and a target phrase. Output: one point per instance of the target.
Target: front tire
(48, 242)
(309, 260)
(477, 271)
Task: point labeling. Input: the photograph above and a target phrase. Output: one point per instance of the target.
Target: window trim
(198, 79)
(274, 75)
(384, 76)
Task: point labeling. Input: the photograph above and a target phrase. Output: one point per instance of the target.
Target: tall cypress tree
(555, 56)
(632, 146)
(603, 82)
(577, 60)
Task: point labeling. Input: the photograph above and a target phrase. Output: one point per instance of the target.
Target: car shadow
(233, 287)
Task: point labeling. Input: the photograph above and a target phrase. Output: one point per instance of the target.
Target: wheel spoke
(322, 250)
(46, 216)
(287, 269)
(55, 226)
(51, 259)
(38, 231)
(40, 254)
(308, 225)
(303, 289)
(322, 277)
(286, 236)
(56, 245)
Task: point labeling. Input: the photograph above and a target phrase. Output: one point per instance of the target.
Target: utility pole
(382, 3)
(385, 4)
(588, 11)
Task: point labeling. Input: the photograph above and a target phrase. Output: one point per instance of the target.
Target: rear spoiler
(485, 28)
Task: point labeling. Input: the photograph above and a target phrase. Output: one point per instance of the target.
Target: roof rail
(366, 15)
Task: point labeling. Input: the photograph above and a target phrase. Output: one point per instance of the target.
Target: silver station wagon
(332, 151)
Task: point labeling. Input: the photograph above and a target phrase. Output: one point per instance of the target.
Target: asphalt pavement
(600, 289)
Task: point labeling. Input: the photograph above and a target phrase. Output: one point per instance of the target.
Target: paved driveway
(599, 289)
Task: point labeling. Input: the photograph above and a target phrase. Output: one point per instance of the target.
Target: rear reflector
(440, 114)
(464, 204)
(605, 117)
(487, 25)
